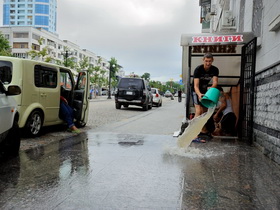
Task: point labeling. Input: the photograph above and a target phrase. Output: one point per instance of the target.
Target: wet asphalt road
(134, 163)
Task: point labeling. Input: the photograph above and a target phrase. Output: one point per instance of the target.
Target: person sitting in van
(67, 114)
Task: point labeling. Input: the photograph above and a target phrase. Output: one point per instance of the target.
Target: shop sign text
(214, 49)
(217, 39)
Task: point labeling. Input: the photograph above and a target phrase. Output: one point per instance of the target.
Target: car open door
(81, 99)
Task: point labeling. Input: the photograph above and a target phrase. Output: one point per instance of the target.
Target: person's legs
(199, 110)
(228, 124)
(66, 113)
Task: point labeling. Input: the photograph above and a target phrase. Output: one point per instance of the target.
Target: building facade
(262, 18)
(35, 13)
(25, 38)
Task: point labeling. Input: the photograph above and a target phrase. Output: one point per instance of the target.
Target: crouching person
(226, 124)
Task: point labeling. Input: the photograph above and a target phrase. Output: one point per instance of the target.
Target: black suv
(133, 91)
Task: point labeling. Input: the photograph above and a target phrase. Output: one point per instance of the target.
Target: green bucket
(211, 97)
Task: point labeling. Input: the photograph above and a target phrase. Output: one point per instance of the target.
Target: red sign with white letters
(217, 39)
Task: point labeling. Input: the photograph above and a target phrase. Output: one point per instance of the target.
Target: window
(65, 80)
(35, 47)
(45, 77)
(131, 83)
(42, 9)
(6, 72)
(20, 23)
(82, 81)
(45, 1)
(21, 45)
(35, 36)
(41, 20)
(20, 35)
(20, 55)
(21, 11)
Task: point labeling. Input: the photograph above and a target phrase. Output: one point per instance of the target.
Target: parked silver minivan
(40, 83)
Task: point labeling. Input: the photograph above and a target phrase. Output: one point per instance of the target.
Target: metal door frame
(247, 91)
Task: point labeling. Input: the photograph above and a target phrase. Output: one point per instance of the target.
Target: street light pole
(109, 91)
(66, 57)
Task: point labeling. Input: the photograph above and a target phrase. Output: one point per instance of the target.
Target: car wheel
(118, 105)
(150, 106)
(146, 107)
(10, 146)
(34, 123)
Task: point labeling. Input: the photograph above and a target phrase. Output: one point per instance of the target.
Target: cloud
(143, 35)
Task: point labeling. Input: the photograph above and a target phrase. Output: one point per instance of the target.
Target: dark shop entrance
(234, 55)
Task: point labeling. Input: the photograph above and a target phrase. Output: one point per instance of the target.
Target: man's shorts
(195, 99)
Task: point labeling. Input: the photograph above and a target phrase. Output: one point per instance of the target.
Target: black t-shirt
(204, 77)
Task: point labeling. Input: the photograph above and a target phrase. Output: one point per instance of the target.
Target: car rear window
(131, 83)
(6, 72)
(154, 91)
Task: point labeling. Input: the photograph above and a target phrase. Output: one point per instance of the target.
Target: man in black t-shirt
(202, 76)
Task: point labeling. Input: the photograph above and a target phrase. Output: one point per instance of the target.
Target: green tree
(114, 68)
(146, 76)
(83, 64)
(5, 49)
(43, 54)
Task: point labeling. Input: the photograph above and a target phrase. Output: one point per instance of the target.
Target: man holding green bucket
(203, 74)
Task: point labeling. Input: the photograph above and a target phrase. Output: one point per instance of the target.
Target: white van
(40, 83)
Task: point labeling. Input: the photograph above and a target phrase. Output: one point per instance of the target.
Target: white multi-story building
(24, 39)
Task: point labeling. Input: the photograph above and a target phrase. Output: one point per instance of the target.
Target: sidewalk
(232, 175)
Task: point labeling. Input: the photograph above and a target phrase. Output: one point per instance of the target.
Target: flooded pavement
(106, 170)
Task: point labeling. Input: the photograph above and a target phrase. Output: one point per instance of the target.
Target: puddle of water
(194, 128)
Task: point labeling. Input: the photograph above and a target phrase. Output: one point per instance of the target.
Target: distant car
(157, 99)
(104, 92)
(168, 94)
(9, 130)
(133, 91)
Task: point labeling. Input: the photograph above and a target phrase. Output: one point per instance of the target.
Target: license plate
(129, 93)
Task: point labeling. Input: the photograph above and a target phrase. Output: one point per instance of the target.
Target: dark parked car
(133, 91)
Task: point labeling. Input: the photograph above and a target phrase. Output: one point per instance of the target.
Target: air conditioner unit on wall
(227, 18)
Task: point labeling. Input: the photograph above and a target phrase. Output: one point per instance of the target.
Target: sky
(142, 35)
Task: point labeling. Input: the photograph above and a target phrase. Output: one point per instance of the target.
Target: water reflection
(39, 173)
